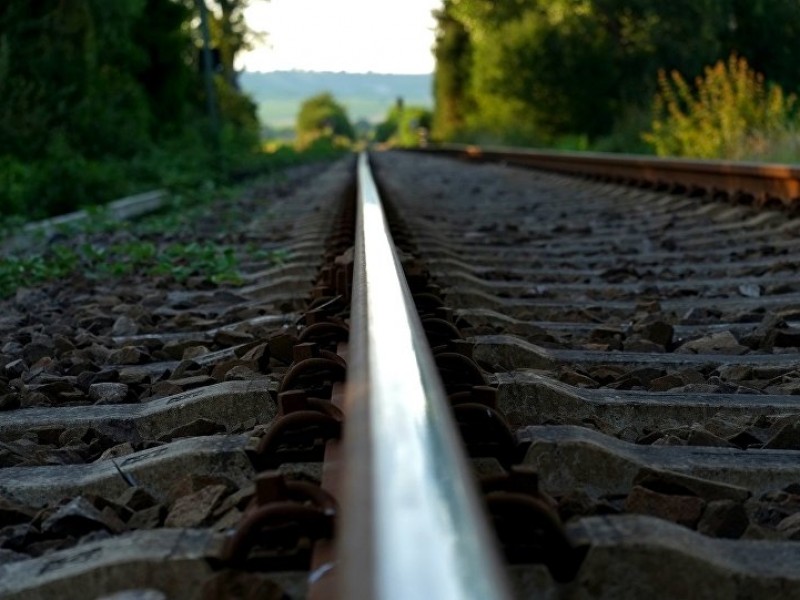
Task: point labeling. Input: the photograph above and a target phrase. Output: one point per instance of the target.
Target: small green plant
(58, 262)
(181, 261)
(274, 257)
(732, 113)
(216, 263)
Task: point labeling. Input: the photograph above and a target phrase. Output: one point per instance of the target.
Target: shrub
(319, 117)
(733, 114)
(404, 125)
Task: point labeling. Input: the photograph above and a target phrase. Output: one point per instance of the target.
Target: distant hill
(365, 95)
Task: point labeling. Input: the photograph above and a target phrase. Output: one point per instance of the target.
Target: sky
(357, 36)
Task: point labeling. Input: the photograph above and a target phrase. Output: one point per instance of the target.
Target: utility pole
(208, 75)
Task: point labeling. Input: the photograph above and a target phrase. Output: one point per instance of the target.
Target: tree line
(96, 94)
(545, 71)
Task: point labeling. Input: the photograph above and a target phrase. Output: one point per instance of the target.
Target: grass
(215, 263)
(160, 245)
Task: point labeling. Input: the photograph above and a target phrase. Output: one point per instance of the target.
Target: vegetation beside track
(584, 75)
(99, 100)
(164, 245)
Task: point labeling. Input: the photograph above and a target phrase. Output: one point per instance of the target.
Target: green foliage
(404, 125)
(99, 99)
(139, 249)
(731, 113)
(215, 263)
(451, 82)
(541, 71)
(322, 117)
(280, 154)
(181, 261)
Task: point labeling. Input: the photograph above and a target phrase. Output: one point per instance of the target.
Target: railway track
(620, 363)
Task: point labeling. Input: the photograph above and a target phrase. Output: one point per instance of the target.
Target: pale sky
(382, 36)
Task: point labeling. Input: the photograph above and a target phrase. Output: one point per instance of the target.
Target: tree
(322, 116)
(533, 71)
(451, 79)
(95, 93)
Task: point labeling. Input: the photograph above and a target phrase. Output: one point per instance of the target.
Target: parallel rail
(759, 182)
(412, 523)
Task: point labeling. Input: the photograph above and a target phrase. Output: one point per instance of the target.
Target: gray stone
(724, 428)
(790, 527)
(117, 451)
(194, 352)
(241, 373)
(750, 290)
(699, 436)
(15, 368)
(667, 382)
(9, 401)
(786, 438)
(35, 351)
(198, 427)
(12, 512)
(717, 343)
(194, 482)
(656, 331)
(225, 337)
(108, 393)
(77, 518)
(129, 355)
(195, 509)
(148, 518)
(784, 338)
(735, 373)
(175, 348)
(136, 498)
(228, 520)
(681, 483)
(683, 510)
(723, 519)
(606, 334)
(124, 326)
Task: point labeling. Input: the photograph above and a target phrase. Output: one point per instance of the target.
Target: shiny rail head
(412, 523)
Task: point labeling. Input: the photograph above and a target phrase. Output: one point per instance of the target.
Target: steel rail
(763, 182)
(412, 525)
